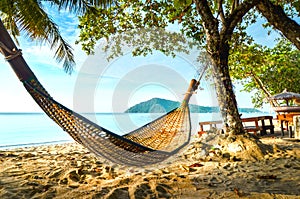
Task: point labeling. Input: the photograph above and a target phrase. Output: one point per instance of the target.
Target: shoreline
(27, 145)
(70, 171)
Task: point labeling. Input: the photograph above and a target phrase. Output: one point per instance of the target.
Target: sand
(204, 170)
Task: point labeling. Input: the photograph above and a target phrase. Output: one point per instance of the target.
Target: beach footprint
(119, 193)
(163, 191)
(143, 191)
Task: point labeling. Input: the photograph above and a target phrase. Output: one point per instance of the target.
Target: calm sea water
(28, 129)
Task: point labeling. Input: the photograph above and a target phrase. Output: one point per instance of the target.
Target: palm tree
(29, 16)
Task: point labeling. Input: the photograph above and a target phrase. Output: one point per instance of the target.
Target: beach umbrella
(285, 95)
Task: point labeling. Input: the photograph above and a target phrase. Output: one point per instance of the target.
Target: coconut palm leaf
(29, 16)
(80, 6)
(7, 11)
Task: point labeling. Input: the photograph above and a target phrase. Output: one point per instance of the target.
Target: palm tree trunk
(14, 56)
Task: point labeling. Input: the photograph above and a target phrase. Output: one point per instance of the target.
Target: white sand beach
(70, 171)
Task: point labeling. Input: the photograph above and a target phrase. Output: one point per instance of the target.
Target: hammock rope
(149, 144)
(12, 53)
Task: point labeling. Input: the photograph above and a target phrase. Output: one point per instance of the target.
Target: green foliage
(292, 7)
(179, 4)
(274, 69)
(139, 24)
(125, 22)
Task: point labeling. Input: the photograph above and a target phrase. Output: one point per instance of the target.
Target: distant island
(158, 105)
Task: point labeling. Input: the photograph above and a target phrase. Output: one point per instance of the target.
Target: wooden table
(210, 123)
(287, 119)
(258, 124)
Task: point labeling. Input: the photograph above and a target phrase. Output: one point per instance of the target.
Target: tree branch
(210, 22)
(263, 88)
(238, 13)
(221, 11)
(277, 17)
(234, 5)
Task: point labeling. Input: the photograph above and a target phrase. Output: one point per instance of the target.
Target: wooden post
(272, 126)
(282, 128)
(263, 131)
(192, 87)
(296, 121)
(290, 131)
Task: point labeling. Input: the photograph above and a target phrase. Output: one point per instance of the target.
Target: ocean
(29, 129)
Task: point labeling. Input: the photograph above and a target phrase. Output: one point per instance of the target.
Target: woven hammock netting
(149, 144)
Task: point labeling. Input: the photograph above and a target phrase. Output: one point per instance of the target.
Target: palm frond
(11, 26)
(37, 25)
(29, 17)
(64, 52)
(7, 12)
(80, 6)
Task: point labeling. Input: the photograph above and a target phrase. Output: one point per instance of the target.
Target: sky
(101, 86)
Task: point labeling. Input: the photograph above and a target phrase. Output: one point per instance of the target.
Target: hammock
(150, 144)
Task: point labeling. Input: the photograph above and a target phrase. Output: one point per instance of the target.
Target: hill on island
(158, 105)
